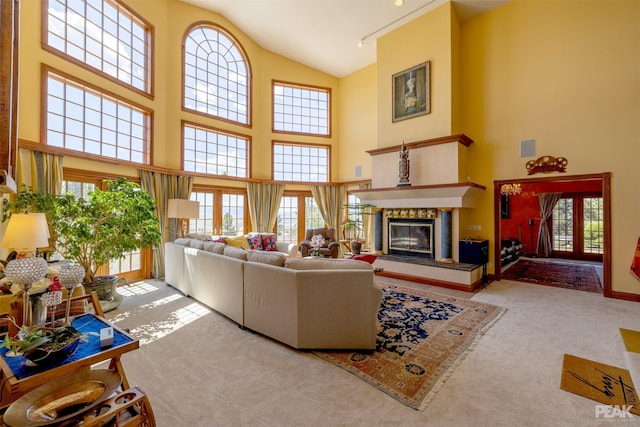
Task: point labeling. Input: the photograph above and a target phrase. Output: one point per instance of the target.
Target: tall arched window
(216, 74)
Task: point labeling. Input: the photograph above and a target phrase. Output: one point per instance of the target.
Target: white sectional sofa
(305, 303)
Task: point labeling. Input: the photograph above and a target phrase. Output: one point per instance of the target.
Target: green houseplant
(91, 232)
(354, 223)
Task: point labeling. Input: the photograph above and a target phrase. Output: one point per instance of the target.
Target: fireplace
(414, 237)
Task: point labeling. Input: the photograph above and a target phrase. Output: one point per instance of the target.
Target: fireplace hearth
(412, 237)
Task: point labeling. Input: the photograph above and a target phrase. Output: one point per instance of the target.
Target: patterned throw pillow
(269, 242)
(255, 242)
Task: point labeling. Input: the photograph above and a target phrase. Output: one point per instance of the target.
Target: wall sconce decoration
(547, 164)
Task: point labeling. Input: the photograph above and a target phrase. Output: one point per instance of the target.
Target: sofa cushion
(215, 247)
(234, 252)
(266, 257)
(182, 241)
(269, 242)
(199, 236)
(197, 244)
(255, 242)
(237, 242)
(326, 264)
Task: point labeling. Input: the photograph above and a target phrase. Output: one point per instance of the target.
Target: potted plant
(105, 226)
(354, 225)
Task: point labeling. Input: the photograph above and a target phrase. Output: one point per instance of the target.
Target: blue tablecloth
(87, 324)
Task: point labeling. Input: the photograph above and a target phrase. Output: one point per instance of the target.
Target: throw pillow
(237, 242)
(255, 242)
(370, 258)
(269, 242)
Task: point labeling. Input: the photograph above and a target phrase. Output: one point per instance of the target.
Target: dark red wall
(524, 206)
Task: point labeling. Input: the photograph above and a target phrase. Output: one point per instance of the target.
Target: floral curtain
(163, 187)
(330, 200)
(264, 202)
(547, 202)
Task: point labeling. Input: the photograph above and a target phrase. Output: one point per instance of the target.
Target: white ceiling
(325, 34)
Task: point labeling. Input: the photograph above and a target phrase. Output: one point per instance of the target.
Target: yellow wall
(358, 115)
(567, 75)
(427, 38)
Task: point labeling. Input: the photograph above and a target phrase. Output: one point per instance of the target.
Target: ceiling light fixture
(397, 3)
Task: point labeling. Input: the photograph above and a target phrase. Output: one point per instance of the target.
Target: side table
(17, 378)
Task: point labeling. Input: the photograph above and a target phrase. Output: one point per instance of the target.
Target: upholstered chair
(331, 248)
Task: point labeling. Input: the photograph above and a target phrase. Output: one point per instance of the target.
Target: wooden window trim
(246, 60)
(148, 113)
(306, 87)
(149, 46)
(301, 144)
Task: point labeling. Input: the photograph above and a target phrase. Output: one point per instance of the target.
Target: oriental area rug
(582, 277)
(421, 337)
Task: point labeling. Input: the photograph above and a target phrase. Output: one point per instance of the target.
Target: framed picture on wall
(411, 92)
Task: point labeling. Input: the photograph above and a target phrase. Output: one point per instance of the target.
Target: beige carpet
(200, 369)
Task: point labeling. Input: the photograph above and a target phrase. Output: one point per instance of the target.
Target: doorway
(587, 225)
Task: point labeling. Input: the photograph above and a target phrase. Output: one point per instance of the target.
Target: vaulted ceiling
(326, 34)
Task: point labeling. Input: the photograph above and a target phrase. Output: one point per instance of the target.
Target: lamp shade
(181, 208)
(26, 232)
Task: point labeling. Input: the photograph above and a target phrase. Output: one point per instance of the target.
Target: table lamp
(183, 210)
(26, 233)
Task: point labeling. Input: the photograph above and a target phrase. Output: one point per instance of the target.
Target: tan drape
(330, 200)
(264, 202)
(163, 187)
(547, 202)
(40, 171)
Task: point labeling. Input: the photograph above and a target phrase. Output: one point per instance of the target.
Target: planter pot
(43, 356)
(356, 247)
(106, 288)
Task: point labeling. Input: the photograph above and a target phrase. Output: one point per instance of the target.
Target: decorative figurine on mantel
(404, 167)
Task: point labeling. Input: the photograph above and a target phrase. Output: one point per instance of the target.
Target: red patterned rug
(422, 336)
(582, 277)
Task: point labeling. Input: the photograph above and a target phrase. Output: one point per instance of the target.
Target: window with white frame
(214, 152)
(301, 109)
(216, 75)
(84, 119)
(300, 163)
(103, 34)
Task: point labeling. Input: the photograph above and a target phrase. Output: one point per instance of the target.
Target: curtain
(330, 200)
(163, 187)
(264, 202)
(547, 202)
(40, 171)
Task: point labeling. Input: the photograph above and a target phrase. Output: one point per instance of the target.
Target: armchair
(331, 248)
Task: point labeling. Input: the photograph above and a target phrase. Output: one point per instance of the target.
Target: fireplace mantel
(455, 195)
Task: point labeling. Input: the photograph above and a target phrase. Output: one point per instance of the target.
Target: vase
(106, 288)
